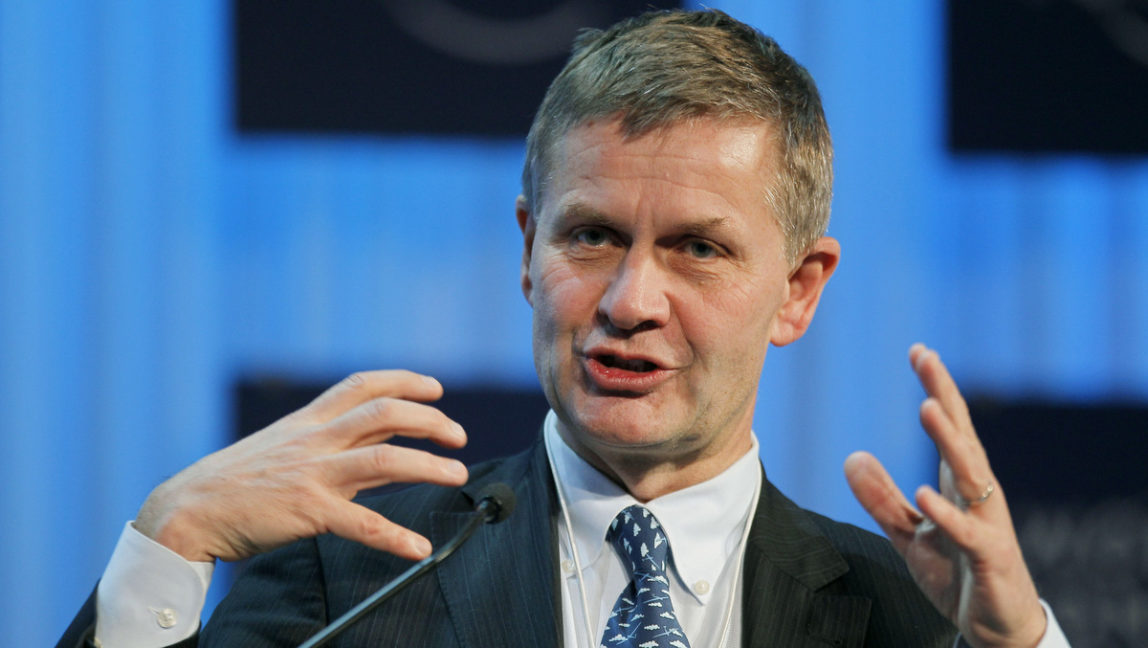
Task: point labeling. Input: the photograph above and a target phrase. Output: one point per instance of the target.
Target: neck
(648, 475)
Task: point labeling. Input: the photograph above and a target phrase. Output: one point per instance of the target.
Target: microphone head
(498, 500)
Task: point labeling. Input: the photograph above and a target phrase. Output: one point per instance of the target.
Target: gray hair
(663, 68)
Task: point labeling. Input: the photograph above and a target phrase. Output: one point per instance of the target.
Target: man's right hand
(295, 478)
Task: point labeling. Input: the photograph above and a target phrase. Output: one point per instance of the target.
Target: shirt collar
(704, 522)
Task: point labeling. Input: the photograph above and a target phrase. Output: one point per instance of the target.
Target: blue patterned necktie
(643, 616)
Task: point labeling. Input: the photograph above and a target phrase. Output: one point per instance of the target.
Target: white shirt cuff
(149, 596)
(1053, 635)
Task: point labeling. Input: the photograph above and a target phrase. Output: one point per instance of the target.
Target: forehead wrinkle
(597, 161)
(700, 173)
(706, 198)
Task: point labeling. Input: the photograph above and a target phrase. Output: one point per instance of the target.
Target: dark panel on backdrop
(1078, 491)
(1048, 76)
(404, 66)
(498, 422)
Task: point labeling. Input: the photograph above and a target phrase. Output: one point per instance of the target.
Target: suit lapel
(500, 588)
(788, 565)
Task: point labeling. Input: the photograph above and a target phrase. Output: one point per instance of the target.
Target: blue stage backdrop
(151, 256)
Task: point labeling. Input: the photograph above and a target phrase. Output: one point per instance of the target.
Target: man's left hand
(960, 544)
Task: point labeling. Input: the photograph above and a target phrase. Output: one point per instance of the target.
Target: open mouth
(636, 365)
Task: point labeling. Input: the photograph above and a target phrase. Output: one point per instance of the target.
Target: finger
(961, 452)
(939, 384)
(382, 418)
(881, 499)
(962, 529)
(358, 523)
(945, 417)
(378, 465)
(361, 387)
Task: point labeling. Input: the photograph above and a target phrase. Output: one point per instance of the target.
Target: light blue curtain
(149, 257)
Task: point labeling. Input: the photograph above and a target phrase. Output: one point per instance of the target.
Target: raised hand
(960, 545)
(295, 478)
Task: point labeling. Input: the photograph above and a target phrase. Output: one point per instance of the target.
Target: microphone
(495, 503)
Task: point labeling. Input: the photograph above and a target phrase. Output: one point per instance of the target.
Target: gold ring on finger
(985, 495)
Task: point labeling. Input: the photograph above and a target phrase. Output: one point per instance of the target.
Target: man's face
(656, 272)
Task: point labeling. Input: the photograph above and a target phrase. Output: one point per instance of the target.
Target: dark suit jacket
(809, 581)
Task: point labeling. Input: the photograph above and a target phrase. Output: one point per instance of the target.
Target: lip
(606, 378)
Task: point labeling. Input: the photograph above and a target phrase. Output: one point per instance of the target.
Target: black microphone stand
(488, 510)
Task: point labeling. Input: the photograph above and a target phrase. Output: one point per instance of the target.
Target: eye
(701, 249)
(592, 236)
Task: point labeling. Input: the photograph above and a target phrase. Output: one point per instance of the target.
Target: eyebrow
(590, 216)
(706, 226)
(583, 212)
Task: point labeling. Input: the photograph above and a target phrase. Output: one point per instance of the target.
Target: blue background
(149, 256)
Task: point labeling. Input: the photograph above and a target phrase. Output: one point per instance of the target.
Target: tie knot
(638, 536)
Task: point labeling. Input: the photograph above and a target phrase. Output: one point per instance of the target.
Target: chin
(618, 423)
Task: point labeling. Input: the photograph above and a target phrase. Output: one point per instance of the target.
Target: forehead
(706, 166)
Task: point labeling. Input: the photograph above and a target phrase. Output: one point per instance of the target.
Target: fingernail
(422, 546)
(431, 381)
(456, 469)
(922, 357)
(459, 433)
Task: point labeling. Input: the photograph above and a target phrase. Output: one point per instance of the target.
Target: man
(675, 199)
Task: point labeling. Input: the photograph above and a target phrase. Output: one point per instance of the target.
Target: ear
(525, 223)
(806, 282)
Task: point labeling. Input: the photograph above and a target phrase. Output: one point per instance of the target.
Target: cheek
(565, 302)
(564, 294)
(732, 324)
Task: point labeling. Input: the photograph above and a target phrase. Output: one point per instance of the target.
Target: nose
(636, 298)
